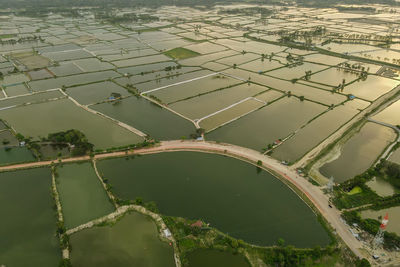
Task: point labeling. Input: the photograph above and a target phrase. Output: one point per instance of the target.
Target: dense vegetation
(75, 139)
(192, 235)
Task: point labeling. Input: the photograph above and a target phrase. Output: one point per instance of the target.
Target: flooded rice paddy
(82, 196)
(132, 241)
(359, 152)
(28, 224)
(390, 115)
(215, 258)
(314, 133)
(382, 187)
(266, 125)
(148, 117)
(39, 120)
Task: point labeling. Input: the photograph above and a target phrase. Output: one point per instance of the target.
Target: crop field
(313, 91)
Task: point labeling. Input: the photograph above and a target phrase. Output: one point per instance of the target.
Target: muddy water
(359, 152)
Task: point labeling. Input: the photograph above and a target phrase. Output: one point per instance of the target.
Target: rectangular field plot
(16, 90)
(334, 77)
(39, 74)
(68, 55)
(95, 92)
(13, 79)
(298, 89)
(72, 80)
(15, 155)
(261, 66)
(39, 120)
(148, 117)
(31, 60)
(266, 125)
(33, 98)
(206, 48)
(269, 96)
(372, 88)
(390, 115)
(181, 91)
(155, 75)
(215, 66)
(25, 197)
(296, 72)
(65, 69)
(225, 116)
(324, 59)
(147, 68)
(140, 61)
(314, 133)
(92, 64)
(238, 59)
(129, 54)
(82, 196)
(200, 60)
(200, 106)
(158, 83)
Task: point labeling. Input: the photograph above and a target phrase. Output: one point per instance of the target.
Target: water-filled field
(225, 116)
(39, 120)
(229, 194)
(314, 133)
(395, 157)
(215, 258)
(15, 155)
(38, 97)
(28, 221)
(132, 241)
(359, 152)
(382, 187)
(148, 117)
(268, 124)
(95, 92)
(194, 88)
(82, 196)
(200, 106)
(390, 115)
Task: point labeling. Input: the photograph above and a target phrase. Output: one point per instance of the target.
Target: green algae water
(228, 193)
(215, 258)
(28, 220)
(132, 241)
(82, 196)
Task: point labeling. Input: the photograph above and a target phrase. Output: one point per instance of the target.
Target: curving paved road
(313, 193)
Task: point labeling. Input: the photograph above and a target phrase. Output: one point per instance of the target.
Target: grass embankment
(180, 53)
